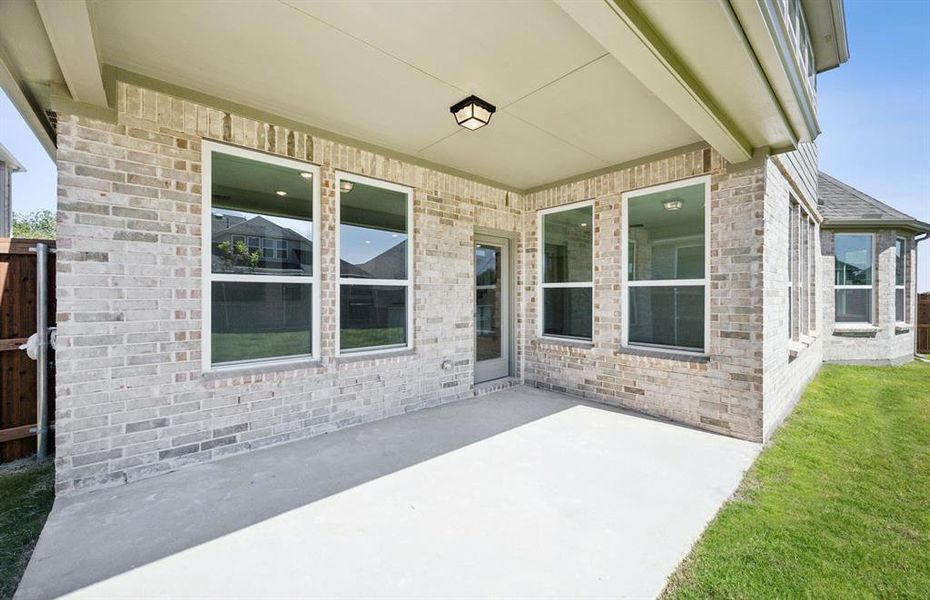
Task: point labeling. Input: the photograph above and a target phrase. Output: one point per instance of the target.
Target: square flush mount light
(473, 112)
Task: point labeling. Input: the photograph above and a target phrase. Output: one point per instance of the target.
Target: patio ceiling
(579, 86)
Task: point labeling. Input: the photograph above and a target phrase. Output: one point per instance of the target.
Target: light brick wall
(722, 394)
(890, 344)
(788, 366)
(132, 401)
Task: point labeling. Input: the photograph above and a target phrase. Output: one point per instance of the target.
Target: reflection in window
(666, 267)
(566, 278)
(374, 233)
(260, 231)
(853, 277)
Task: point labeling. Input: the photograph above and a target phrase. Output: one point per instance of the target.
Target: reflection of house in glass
(254, 244)
(376, 313)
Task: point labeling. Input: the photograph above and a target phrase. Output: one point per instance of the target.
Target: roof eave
(910, 224)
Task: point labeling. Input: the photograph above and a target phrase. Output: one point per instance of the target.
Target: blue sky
(874, 112)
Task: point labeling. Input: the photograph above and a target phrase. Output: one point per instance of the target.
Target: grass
(838, 506)
(27, 491)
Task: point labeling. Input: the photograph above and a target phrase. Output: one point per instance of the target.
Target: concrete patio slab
(521, 493)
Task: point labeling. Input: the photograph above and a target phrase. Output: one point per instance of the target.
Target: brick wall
(788, 366)
(721, 394)
(132, 401)
(888, 343)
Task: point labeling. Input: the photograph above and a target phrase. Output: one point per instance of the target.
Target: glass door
(492, 308)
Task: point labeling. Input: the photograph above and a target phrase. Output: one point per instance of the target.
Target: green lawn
(837, 507)
(26, 496)
(229, 347)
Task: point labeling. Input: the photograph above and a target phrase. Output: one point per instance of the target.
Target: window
(375, 265)
(566, 246)
(812, 275)
(900, 277)
(803, 274)
(667, 289)
(258, 307)
(792, 256)
(853, 277)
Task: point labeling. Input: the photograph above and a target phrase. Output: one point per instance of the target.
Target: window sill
(353, 357)
(664, 354)
(856, 330)
(261, 368)
(554, 341)
(903, 327)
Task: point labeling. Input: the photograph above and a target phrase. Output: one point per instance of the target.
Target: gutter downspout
(917, 240)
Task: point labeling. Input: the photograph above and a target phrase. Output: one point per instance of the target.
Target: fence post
(42, 350)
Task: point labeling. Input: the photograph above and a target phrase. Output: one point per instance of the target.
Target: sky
(874, 112)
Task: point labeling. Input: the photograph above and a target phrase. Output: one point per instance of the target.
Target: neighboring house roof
(844, 206)
(262, 227)
(12, 164)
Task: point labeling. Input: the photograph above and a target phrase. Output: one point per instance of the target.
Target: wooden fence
(17, 323)
(923, 323)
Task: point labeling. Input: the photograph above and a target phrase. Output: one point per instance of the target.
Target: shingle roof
(842, 204)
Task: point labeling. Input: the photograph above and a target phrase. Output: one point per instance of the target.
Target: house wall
(788, 365)
(131, 398)
(886, 342)
(722, 393)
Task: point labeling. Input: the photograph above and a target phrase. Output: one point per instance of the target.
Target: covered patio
(521, 492)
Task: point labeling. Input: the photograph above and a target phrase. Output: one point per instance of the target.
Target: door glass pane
(372, 316)
(568, 312)
(667, 316)
(488, 302)
(260, 320)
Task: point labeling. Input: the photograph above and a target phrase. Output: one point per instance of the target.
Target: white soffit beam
(624, 32)
(10, 84)
(71, 34)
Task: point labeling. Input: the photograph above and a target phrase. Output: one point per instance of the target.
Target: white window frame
(626, 284)
(406, 283)
(903, 286)
(540, 266)
(208, 148)
(812, 319)
(870, 287)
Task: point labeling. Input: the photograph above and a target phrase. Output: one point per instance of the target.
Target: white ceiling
(386, 74)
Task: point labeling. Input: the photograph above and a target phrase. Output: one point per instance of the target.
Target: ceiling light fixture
(281, 193)
(346, 186)
(472, 112)
(672, 204)
(306, 175)
(584, 224)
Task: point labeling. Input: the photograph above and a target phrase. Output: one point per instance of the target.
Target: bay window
(665, 282)
(900, 277)
(258, 305)
(375, 225)
(853, 277)
(566, 271)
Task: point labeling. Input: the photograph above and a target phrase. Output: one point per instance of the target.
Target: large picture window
(260, 224)
(665, 280)
(853, 277)
(375, 265)
(900, 279)
(566, 280)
